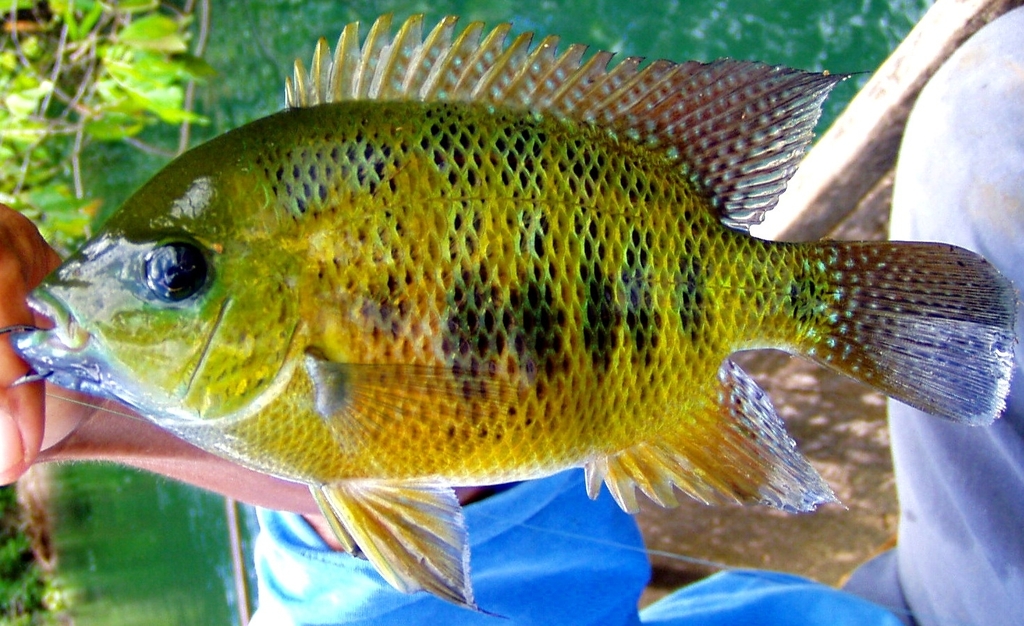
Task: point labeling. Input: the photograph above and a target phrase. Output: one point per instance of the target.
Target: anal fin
(413, 533)
(736, 451)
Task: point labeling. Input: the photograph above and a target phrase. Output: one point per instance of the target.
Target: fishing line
(50, 394)
(692, 560)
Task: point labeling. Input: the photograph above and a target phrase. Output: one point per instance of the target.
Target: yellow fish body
(461, 260)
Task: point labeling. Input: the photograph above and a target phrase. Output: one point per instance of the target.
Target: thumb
(25, 259)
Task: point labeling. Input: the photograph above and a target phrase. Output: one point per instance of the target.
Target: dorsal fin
(737, 128)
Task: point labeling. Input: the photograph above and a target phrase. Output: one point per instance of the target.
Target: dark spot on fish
(519, 343)
(639, 298)
(690, 295)
(539, 235)
(602, 317)
(810, 296)
(533, 296)
(523, 320)
(518, 145)
(466, 135)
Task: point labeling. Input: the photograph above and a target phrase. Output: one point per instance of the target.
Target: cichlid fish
(462, 259)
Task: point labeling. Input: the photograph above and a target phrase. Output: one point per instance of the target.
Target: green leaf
(154, 32)
(136, 6)
(115, 126)
(25, 102)
(69, 12)
(63, 219)
(196, 67)
(90, 18)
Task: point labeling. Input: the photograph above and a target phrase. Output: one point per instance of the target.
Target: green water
(136, 549)
(145, 551)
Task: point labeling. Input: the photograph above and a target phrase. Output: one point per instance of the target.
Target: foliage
(76, 71)
(24, 589)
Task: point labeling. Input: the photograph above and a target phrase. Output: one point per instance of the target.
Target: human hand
(25, 259)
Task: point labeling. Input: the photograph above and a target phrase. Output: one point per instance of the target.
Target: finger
(24, 250)
(25, 259)
(21, 429)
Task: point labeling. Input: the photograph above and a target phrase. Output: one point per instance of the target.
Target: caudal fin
(931, 325)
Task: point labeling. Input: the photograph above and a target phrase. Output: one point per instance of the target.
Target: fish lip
(61, 354)
(66, 330)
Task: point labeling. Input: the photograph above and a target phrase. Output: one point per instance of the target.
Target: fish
(463, 258)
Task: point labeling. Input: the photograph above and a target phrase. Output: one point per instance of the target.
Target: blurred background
(97, 97)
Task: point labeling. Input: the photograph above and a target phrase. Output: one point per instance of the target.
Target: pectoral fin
(737, 450)
(357, 400)
(413, 533)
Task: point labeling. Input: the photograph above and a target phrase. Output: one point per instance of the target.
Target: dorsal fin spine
(558, 73)
(375, 42)
(494, 82)
(567, 97)
(346, 59)
(449, 69)
(319, 71)
(518, 88)
(437, 44)
(481, 62)
(394, 64)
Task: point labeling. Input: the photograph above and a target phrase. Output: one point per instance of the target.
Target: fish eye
(175, 271)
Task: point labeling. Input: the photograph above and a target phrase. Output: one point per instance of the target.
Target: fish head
(180, 306)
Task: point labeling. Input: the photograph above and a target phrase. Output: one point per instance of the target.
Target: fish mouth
(61, 354)
(71, 336)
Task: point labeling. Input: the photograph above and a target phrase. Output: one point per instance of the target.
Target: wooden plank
(858, 151)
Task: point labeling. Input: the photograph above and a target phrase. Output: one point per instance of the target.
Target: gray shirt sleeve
(960, 179)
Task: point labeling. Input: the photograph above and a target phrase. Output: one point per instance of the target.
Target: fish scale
(579, 301)
(456, 260)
